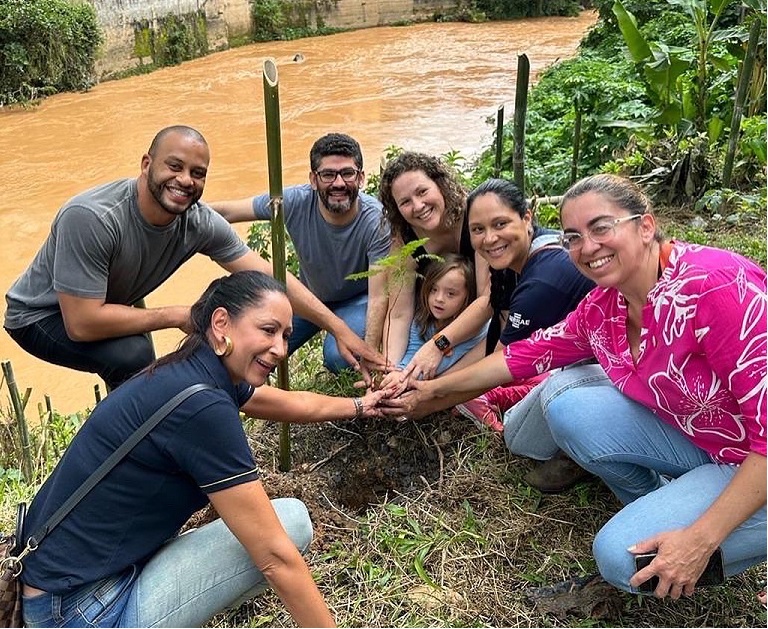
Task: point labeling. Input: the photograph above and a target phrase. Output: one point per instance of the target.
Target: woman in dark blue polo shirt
(116, 560)
(545, 286)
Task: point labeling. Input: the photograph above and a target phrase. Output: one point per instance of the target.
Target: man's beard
(156, 190)
(338, 206)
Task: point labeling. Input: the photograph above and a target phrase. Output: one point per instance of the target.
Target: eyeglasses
(329, 176)
(600, 232)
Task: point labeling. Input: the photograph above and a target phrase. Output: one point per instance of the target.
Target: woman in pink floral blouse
(673, 416)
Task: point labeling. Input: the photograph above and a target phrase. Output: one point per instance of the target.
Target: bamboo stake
(21, 421)
(274, 161)
(741, 92)
(576, 141)
(499, 140)
(521, 109)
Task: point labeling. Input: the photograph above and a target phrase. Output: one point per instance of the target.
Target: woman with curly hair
(423, 198)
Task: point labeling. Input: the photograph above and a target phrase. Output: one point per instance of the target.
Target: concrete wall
(119, 20)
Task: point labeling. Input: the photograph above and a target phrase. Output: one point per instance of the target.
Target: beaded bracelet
(358, 407)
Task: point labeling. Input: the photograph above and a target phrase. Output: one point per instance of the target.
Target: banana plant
(679, 78)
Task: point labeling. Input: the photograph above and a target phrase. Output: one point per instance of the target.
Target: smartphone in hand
(713, 574)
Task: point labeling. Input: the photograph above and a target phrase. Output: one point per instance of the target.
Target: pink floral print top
(701, 365)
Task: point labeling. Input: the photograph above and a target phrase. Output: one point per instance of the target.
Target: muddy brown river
(427, 87)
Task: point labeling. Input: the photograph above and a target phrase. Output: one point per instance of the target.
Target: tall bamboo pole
(275, 169)
(576, 141)
(521, 110)
(499, 140)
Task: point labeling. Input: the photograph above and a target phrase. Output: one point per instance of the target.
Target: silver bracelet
(358, 407)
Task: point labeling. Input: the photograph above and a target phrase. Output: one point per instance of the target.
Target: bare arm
(683, 553)
(426, 361)
(248, 513)
(238, 211)
(306, 305)
(304, 407)
(88, 319)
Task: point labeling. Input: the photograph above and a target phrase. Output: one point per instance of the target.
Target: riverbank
(156, 33)
(429, 524)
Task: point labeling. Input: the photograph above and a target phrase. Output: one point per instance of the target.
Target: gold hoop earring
(226, 350)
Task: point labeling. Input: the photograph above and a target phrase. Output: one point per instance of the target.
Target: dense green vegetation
(46, 46)
(510, 9)
(289, 19)
(654, 85)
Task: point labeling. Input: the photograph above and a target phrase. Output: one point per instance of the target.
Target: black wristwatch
(442, 342)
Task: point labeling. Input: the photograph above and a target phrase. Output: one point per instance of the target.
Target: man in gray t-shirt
(336, 231)
(111, 246)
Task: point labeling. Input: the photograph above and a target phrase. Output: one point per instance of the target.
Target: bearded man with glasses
(336, 230)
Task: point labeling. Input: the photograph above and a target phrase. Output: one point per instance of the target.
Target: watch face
(442, 343)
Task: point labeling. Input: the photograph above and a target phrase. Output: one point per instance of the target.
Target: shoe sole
(467, 415)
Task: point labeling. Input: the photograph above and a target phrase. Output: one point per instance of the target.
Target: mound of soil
(342, 469)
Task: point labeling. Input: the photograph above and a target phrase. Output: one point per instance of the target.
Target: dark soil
(354, 466)
(343, 469)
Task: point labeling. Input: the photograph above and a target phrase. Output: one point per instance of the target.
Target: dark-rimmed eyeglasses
(600, 232)
(329, 176)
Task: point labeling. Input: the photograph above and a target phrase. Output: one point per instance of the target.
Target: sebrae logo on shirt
(517, 321)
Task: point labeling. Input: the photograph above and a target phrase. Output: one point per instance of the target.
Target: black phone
(713, 574)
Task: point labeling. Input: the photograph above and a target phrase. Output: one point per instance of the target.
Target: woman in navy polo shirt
(115, 560)
(544, 285)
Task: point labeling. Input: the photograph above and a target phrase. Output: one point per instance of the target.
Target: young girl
(448, 288)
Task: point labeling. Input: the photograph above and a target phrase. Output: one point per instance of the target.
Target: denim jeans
(526, 432)
(352, 312)
(665, 481)
(115, 359)
(188, 580)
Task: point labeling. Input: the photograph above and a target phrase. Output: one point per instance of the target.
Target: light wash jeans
(191, 578)
(526, 432)
(352, 312)
(665, 481)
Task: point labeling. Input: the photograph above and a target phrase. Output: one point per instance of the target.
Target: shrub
(46, 46)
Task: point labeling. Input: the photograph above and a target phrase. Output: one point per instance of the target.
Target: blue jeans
(191, 578)
(352, 312)
(526, 432)
(664, 480)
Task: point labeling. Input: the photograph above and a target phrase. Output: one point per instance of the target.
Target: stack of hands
(395, 393)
